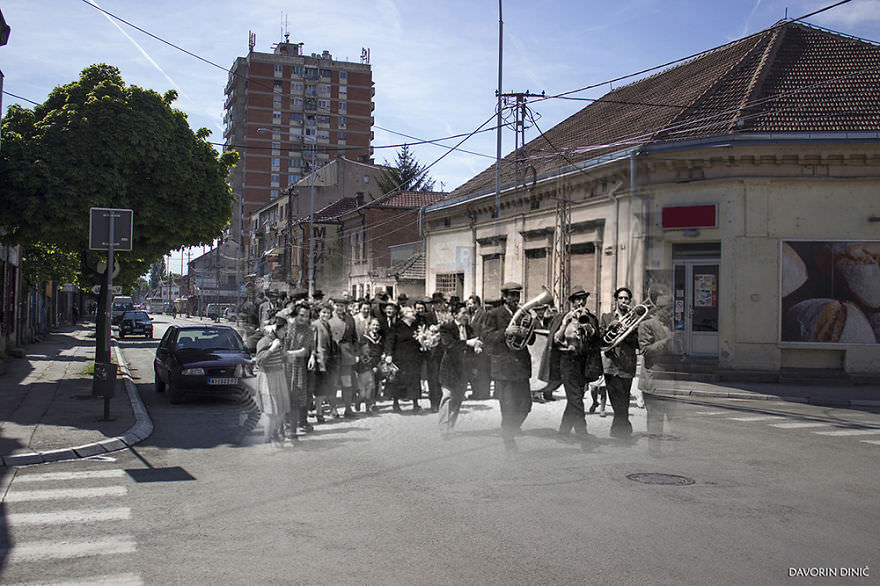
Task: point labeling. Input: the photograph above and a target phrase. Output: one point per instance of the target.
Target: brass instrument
(525, 320)
(578, 329)
(619, 330)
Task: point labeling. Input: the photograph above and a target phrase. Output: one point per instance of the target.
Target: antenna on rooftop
(252, 41)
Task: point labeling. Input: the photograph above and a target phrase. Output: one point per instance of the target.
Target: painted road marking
(110, 579)
(65, 517)
(875, 442)
(756, 418)
(42, 550)
(846, 432)
(800, 424)
(49, 476)
(65, 493)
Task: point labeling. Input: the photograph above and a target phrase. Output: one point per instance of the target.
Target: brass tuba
(619, 330)
(526, 319)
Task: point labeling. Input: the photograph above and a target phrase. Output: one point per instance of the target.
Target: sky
(435, 63)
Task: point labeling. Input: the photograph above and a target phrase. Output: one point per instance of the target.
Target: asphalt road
(750, 493)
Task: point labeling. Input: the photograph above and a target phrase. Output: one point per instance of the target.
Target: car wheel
(175, 395)
(160, 386)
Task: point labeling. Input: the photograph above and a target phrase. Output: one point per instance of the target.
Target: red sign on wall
(695, 216)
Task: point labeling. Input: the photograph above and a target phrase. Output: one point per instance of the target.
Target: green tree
(47, 262)
(97, 142)
(405, 174)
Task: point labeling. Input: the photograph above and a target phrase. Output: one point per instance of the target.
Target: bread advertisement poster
(830, 292)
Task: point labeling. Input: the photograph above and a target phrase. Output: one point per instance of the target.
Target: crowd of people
(336, 358)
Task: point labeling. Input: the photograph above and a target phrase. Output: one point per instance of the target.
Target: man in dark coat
(482, 366)
(511, 369)
(619, 364)
(576, 342)
(458, 346)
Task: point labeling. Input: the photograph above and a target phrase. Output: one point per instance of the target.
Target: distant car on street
(135, 323)
(121, 304)
(201, 359)
(217, 310)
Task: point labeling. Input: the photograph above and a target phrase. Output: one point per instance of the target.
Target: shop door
(695, 307)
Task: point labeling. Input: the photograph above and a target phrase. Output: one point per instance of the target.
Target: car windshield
(136, 315)
(210, 339)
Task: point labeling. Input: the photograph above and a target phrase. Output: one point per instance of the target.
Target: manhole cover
(655, 478)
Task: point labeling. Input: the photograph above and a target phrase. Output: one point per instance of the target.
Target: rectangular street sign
(99, 228)
(114, 290)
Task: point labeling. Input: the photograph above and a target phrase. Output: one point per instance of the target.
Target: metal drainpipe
(633, 189)
(473, 221)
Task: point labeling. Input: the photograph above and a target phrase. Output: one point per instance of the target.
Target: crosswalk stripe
(800, 424)
(711, 412)
(756, 418)
(875, 442)
(41, 550)
(845, 432)
(64, 517)
(64, 493)
(49, 476)
(109, 579)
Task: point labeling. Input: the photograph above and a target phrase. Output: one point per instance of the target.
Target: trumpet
(522, 324)
(579, 328)
(619, 330)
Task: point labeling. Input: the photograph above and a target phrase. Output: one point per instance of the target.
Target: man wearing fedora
(511, 368)
(576, 340)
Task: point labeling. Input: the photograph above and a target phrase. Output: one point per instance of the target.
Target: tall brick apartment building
(286, 111)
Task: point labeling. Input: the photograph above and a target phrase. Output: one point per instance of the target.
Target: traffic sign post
(109, 229)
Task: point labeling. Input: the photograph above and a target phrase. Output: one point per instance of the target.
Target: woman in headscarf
(274, 397)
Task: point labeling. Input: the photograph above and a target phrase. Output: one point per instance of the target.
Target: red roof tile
(788, 78)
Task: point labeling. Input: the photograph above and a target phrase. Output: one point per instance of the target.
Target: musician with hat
(619, 363)
(511, 367)
(575, 344)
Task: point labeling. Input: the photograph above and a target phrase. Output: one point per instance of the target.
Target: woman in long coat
(404, 350)
(326, 364)
(370, 350)
(274, 397)
(299, 345)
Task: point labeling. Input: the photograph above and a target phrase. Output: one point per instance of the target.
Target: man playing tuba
(619, 364)
(511, 366)
(576, 342)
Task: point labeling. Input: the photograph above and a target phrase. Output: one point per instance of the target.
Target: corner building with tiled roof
(746, 180)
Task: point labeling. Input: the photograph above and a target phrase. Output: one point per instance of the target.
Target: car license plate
(223, 381)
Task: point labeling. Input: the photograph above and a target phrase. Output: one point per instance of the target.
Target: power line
(20, 98)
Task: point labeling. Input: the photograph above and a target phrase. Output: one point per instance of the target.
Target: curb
(141, 430)
(818, 401)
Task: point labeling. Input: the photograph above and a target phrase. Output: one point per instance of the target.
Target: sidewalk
(47, 412)
(847, 396)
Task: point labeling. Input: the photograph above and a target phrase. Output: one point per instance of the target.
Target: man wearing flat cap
(511, 368)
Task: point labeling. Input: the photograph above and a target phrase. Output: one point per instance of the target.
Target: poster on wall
(830, 291)
(705, 290)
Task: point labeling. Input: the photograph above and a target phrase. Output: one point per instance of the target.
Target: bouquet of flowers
(427, 336)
